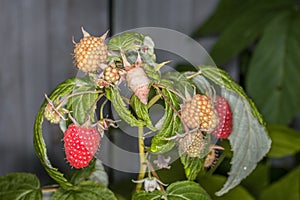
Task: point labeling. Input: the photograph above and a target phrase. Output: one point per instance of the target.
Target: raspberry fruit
(193, 144)
(111, 74)
(81, 144)
(90, 52)
(53, 111)
(199, 113)
(224, 127)
(51, 114)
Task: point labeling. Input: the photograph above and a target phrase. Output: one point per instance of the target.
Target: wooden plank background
(35, 56)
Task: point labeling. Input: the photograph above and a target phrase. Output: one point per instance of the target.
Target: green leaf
(99, 174)
(212, 183)
(61, 90)
(151, 73)
(159, 144)
(87, 191)
(285, 141)
(181, 190)
(286, 188)
(80, 105)
(245, 28)
(258, 180)
(178, 82)
(78, 175)
(141, 111)
(119, 105)
(192, 166)
(20, 186)
(224, 14)
(249, 140)
(273, 76)
(143, 195)
(186, 190)
(125, 41)
(148, 56)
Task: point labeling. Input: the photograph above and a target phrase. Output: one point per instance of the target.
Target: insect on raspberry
(212, 156)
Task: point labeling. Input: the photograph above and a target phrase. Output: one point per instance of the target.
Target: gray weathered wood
(35, 56)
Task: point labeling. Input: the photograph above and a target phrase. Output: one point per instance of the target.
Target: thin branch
(170, 89)
(102, 108)
(49, 190)
(87, 116)
(143, 161)
(195, 74)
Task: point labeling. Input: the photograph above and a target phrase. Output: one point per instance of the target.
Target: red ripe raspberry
(81, 144)
(224, 127)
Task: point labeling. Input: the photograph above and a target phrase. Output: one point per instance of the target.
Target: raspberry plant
(194, 118)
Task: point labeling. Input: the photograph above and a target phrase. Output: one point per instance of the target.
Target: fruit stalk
(143, 160)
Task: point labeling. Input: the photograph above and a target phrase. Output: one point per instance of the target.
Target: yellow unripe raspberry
(193, 144)
(111, 74)
(199, 113)
(90, 52)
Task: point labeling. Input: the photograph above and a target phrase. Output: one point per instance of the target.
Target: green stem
(195, 74)
(88, 114)
(102, 108)
(49, 190)
(143, 160)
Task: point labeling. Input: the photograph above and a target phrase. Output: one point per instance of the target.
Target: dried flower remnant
(162, 162)
(137, 79)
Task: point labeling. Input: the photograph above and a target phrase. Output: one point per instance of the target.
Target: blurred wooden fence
(35, 55)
